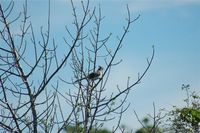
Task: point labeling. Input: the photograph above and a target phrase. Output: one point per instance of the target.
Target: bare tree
(31, 96)
(155, 126)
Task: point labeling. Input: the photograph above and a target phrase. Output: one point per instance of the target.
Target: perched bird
(94, 75)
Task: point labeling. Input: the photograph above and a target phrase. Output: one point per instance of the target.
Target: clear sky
(172, 26)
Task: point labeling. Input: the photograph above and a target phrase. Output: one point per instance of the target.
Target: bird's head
(100, 68)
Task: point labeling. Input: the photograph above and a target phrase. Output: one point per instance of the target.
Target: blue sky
(172, 26)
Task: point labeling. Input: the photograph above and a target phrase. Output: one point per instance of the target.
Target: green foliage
(190, 115)
(74, 129)
(187, 119)
(180, 120)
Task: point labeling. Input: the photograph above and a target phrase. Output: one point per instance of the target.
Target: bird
(94, 75)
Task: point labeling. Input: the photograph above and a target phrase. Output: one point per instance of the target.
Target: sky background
(172, 26)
